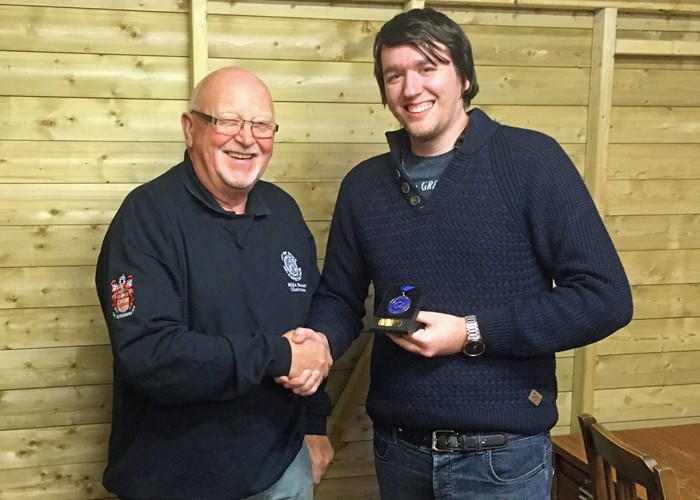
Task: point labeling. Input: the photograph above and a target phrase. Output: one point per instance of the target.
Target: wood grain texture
(146, 5)
(199, 47)
(55, 406)
(657, 422)
(137, 162)
(52, 327)
(341, 40)
(350, 11)
(50, 29)
(340, 81)
(150, 120)
(658, 47)
(639, 125)
(682, 63)
(647, 6)
(33, 119)
(647, 369)
(640, 21)
(336, 381)
(324, 40)
(73, 162)
(647, 403)
(654, 335)
(311, 81)
(653, 197)
(79, 119)
(352, 459)
(654, 232)
(54, 482)
(363, 11)
(666, 301)
(656, 87)
(44, 204)
(661, 267)
(519, 17)
(55, 367)
(353, 394)
(569, 128)
(348, 488)
(93, 75)
(53, 446)
(30, 287)
(544, 86)
(600, 99)
(654, 161)
(54, 245)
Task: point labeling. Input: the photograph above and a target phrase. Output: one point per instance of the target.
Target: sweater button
(415, 200)
(405, 187)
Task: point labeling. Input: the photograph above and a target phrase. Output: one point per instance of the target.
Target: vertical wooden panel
(413, 4)
(199, 47)
(600, 102)
(602, 62)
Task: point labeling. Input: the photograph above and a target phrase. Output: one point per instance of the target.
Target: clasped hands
(311, 361)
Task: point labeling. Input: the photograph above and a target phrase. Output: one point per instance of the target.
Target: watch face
(474, 348)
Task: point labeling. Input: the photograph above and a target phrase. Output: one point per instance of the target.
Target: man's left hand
(321, 453)
(443, 334)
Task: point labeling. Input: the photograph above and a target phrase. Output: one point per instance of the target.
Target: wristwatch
(474, 346)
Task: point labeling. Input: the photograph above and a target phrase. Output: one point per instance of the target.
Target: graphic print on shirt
(123, 296)
(293, 271)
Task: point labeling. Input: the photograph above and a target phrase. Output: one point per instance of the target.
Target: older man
(203, 277)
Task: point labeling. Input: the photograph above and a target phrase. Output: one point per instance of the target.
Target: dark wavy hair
(424, 29)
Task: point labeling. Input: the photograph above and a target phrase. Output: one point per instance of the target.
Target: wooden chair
(605, 452)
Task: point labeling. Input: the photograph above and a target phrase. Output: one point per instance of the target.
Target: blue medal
(400, 304)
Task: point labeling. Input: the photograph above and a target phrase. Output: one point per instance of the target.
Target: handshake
(311, 360)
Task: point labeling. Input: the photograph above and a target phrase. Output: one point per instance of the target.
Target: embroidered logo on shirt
(123, 297)
(293, 271)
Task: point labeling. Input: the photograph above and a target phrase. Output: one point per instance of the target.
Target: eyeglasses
(232, 126)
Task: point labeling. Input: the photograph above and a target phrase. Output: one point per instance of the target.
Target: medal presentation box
(398, 310)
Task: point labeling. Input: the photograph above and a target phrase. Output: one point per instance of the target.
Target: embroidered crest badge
(123, 297)
(290, 266)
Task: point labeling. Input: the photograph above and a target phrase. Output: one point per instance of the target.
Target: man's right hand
(311, 361)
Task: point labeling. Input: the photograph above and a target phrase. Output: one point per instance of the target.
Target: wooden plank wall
(648, 374)
(92, 92)
(91, 101)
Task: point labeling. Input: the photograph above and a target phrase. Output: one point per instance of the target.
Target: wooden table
(677, 447)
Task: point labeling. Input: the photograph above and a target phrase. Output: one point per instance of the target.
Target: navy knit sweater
(509, 216)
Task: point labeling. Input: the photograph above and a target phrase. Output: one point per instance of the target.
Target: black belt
(452, 441)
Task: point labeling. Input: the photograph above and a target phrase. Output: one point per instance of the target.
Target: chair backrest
(606, 453)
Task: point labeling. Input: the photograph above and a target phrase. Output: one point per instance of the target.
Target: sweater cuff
(495, 330)
(315, 424)
(281, 361)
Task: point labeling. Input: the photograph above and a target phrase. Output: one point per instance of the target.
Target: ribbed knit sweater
(509, 216)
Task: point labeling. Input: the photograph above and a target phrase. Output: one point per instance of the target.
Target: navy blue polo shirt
(196, 300)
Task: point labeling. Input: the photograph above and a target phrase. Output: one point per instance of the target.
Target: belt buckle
(444, 449)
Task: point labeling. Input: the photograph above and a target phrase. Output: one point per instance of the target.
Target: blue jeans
(297, 482)
(522, 470)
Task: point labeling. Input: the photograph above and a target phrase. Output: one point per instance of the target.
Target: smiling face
(425, 97)
(229, 166)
